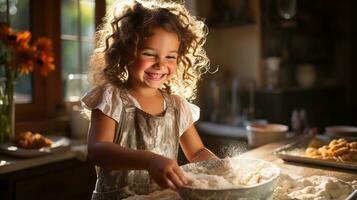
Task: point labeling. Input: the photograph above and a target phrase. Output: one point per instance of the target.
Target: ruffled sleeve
(188, 113)
(106, 98)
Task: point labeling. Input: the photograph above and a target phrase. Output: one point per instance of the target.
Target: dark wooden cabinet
(321, 34)
(323, 105)
(63, 180)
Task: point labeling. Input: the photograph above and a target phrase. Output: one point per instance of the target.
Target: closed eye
(171, 57)
(148, 54)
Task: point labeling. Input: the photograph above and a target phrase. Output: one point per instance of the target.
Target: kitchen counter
(10, 164)
(298, 169)
(68, 174)
(292, 169)
(64, 174)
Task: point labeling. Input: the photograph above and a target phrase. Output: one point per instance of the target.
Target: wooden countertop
(62, 174)
(298, 169)
(11, 164)
(8, 164)
(78, 151)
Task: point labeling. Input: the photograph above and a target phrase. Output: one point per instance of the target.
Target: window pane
(70, 63)
(24, 89)
(87, 50)
(87, 18)
(69, 17)
(77, 45)
(3, 8)
(70, 66)
(75, 86)
(20, 14)
(20, 21)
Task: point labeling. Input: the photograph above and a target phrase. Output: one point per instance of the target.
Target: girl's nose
(159, 64)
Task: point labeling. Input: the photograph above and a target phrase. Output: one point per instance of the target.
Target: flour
(288, 188)
(232, 177)
(313, 188)
(157, 195)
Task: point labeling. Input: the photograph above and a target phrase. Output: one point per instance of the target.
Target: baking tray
(294, 151)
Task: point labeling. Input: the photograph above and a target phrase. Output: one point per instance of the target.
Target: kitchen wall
(322, 36)
(233, 48)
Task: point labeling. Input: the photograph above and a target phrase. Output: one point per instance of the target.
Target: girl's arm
(104, 153)
(193, 147)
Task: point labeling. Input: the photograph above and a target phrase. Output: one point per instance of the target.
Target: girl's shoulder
(105, 98)
(102, 92)
(174, 96)
(177, 100)
(188, 112)
(184, 106)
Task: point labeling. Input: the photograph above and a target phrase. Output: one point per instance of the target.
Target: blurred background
(273, 58)
(278, 61)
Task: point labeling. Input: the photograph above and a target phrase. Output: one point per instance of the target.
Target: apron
(139, 130)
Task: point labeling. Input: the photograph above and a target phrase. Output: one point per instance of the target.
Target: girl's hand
(166, 172)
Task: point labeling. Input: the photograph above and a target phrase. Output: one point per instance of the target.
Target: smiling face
(156, 60)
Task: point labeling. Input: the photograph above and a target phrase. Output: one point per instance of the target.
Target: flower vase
(7, 111)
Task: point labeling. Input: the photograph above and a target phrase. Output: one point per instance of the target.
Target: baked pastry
(338, 149)
(29, 140)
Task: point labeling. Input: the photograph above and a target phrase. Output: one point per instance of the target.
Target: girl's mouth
(155, 76)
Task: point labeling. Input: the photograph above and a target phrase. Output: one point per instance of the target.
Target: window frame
(44, 17)
(48, 111)
(80, 40)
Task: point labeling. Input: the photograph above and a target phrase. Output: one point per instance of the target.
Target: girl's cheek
(143, 63)
(140, 61)
(173, 70)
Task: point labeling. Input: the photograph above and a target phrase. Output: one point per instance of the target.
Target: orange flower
(23, 59)
(23, 38)
(10, 38)
(44, 63)
(44, 45)
(44, 58)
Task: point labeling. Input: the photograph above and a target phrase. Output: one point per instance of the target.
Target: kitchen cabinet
(323, 106)
(60, 176)
(321, 36)
(315, 35)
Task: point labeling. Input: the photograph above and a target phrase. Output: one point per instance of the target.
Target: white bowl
(259, 135)
(262, 190)
(342, 131)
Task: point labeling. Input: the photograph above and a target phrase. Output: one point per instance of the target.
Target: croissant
(29, 140)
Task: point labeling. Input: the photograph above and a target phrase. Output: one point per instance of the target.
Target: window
(43, 107)
(17, 14)
(77, 43)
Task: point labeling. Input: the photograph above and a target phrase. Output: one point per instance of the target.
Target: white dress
(137, 129)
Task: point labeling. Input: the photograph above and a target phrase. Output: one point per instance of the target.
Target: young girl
(148, 59)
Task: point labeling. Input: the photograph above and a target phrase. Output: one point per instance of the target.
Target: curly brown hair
(128, 23)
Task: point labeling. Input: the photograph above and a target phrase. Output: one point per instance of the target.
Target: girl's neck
(143, 92)
(150, 100)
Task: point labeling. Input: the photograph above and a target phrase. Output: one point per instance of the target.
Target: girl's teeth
(154, 75)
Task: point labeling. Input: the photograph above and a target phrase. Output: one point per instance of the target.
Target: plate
(349, 131)
(294, 152)
(59, 144)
